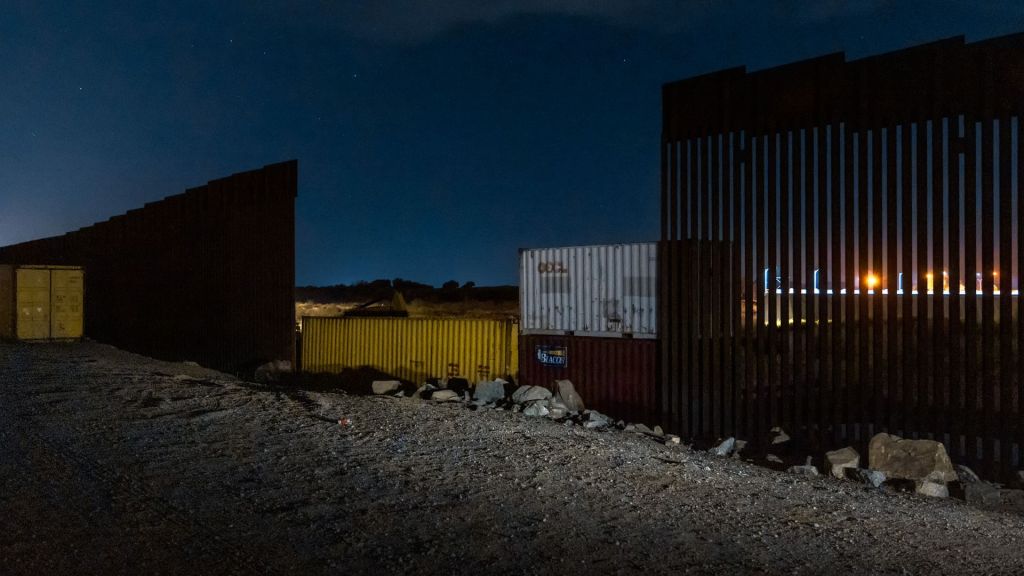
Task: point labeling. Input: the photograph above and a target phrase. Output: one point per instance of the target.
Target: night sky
(434, 139)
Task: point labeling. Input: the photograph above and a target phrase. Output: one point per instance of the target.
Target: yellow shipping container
(41, 302)
(412, 349)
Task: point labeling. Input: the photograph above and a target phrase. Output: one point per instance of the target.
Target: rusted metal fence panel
(841, 250)
(206, 276)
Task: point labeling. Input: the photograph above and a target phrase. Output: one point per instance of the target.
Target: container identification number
(552, 268)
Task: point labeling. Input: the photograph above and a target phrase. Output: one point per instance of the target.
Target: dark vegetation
(450, 291)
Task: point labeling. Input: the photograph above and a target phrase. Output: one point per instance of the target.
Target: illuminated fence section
(841, 250)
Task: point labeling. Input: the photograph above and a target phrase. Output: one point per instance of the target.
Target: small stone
(556, 413)
(933, 489)
(725, 448)
(272, 371)
(525, 394)
(982, 495)
(591, 424)
(488, 392)
(840, 460)
(773, 459)
(595, 416)
(536, 409)
(778, 436)
(385, 386)
(658, 431)
(671, 440)
(567, 395)
(805, 470)
(872, 478)
(444, 396)
(1011, 501)
(966, 475)
(641, 429)
(630, 428)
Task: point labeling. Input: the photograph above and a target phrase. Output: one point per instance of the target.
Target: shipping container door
(7, 302)
(66, 307)
(33, 304)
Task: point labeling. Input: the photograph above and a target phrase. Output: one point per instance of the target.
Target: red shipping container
(615, 376)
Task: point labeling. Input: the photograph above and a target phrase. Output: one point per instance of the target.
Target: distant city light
(872, 281)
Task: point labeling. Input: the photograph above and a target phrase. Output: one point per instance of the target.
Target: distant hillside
(366, 291)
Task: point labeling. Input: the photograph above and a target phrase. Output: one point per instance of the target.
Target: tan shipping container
(41, 302)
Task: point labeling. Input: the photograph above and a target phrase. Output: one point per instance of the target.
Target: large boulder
(982, 495)
(536, 409)
(933, 489)
(567, 395)
(596, 420)
(840, 460)
(445, 396)
(487, 392)
(271, 371)
(872, 478)
(966, 475)
(385, 386)
(424, 391)
(525, 394)
(916, 460)
(725, 448)
(778, 436)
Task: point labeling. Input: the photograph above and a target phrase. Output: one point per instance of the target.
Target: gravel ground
(115, 463)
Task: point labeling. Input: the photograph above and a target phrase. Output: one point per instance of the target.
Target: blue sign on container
(552, 355)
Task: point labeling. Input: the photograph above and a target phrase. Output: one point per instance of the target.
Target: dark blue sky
(433, 138)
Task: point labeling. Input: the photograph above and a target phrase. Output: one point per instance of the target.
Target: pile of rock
(923, 464)
(564, 405)
(446, 390)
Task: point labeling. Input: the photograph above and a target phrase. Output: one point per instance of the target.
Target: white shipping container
(603, 290)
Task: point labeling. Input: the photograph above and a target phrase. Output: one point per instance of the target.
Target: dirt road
(118, 464)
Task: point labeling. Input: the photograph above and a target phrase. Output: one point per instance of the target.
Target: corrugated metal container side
(602, 290)
(616, 376)
(67, 299)
(41, 302)
(7, 303)
(32, 303)
(411, 349)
